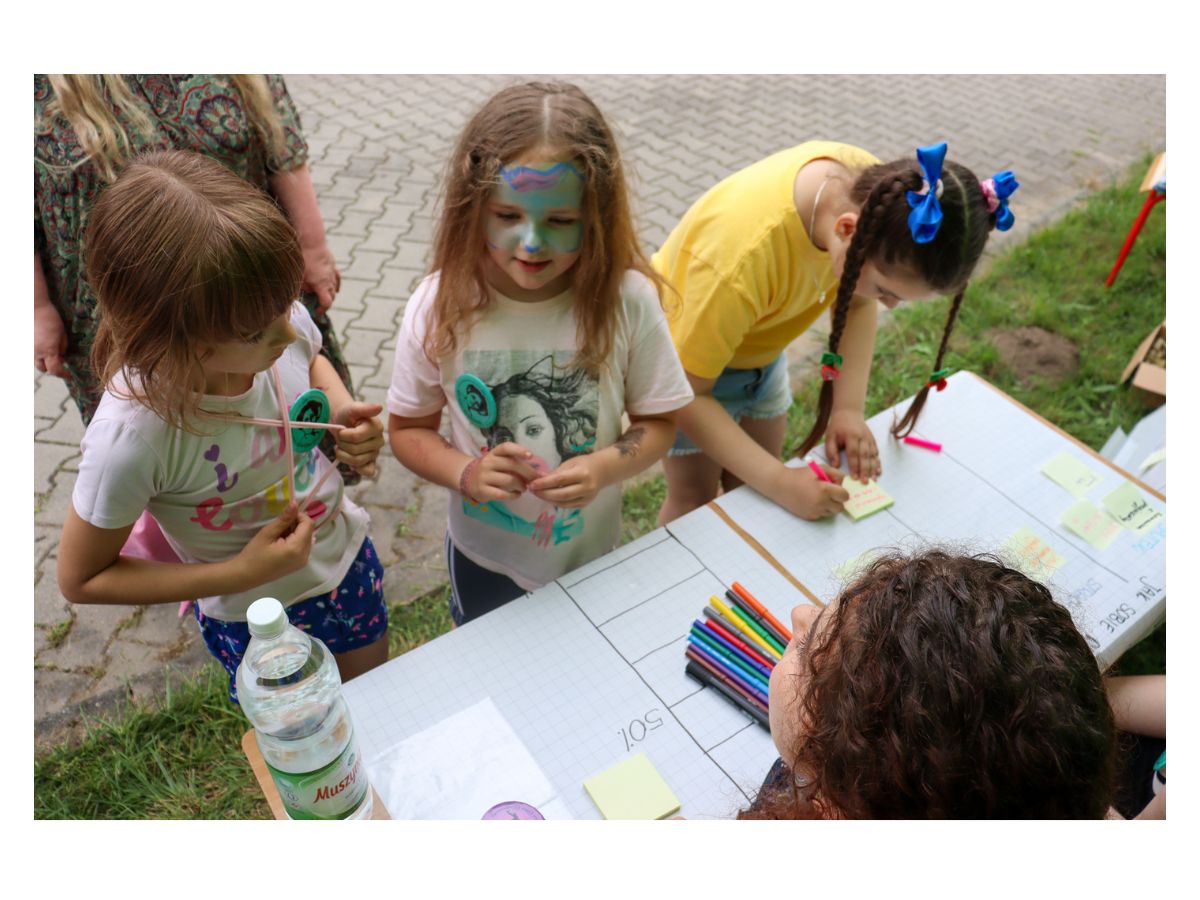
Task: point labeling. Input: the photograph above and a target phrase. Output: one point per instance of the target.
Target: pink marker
(921, 442)
(818, 471)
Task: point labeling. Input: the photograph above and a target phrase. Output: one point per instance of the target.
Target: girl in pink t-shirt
(206, 356)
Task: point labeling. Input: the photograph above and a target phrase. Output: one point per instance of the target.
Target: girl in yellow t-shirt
(759, 257)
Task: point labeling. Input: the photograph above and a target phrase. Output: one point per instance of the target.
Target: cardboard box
(1149, 379)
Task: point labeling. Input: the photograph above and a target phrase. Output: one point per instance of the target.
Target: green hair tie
(831, 359)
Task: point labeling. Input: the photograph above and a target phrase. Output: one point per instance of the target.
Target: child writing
(755, 261)
(938, 686)
(538, 328)
(200, 345)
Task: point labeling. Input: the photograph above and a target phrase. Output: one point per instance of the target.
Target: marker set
(734, 650)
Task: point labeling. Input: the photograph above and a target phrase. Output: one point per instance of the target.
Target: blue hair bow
(926, 216)
(1004, 183)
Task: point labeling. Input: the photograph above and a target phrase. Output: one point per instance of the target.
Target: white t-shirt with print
(212, 492)
(522, 352)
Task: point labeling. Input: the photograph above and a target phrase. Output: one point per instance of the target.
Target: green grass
(181, 757)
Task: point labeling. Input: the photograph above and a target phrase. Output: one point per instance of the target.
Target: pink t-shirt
(212, 492)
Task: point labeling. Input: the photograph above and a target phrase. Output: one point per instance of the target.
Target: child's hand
(279, 548)
(573, 484)
(848, 430)
(501, 474)
(359, 442)
(802, 494)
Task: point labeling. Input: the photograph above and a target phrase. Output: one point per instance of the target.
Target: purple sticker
(513, 809)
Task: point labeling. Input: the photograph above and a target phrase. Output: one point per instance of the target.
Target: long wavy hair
(882, 236)
(557, 118)
(101, 108)
(948, 687)
(183, 253)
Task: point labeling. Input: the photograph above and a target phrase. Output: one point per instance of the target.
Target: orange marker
(760, 609)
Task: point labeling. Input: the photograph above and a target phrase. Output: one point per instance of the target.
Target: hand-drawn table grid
(984, 486)
(590, 669)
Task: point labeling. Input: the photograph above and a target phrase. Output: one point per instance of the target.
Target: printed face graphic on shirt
(535, 227)
(550, 410)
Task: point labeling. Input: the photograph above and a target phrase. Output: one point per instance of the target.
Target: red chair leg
(1152, 198)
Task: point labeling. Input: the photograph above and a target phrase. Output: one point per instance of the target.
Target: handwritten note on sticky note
(632, 789)
(1092, 524)
(1033, 556)
(865, 498)
(1130, 508)
(1068, 472)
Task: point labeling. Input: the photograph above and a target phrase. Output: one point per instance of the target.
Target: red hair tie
(938, 379)
(829, 366)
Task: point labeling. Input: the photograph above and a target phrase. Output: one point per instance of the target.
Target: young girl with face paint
(938, 686)
(203, 349)
(757, 259)
(538, 329)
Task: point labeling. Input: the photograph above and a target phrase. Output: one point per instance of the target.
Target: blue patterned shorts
(350, 616)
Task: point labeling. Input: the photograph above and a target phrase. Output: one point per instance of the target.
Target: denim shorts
(762, 393)
(350, 616)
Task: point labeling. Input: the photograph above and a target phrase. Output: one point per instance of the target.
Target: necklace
(812, 229)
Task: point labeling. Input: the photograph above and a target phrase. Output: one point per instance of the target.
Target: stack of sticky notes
(632, 789)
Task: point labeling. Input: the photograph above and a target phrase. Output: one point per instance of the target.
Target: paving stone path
(377, 146)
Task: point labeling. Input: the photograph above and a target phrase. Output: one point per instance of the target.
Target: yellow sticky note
(1034, 556)
(865, 498)
(632, 789)
(1130, 508)
(1153, 459)
(1068, 472)
(1092, 524)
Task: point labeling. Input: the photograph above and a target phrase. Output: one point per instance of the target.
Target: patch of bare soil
(1036, 355)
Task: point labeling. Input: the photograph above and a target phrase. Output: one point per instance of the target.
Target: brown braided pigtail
(906, 424)
(970, 246)
(875, 211)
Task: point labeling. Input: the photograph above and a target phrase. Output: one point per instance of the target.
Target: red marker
(921, 442)
(819, 472)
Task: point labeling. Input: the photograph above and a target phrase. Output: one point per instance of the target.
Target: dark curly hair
(948, 687)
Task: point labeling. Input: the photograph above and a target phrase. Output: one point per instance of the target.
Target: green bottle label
(331, 792)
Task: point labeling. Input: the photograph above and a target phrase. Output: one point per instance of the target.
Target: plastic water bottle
(290, 690)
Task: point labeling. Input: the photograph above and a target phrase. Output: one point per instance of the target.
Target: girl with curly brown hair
(938, 686)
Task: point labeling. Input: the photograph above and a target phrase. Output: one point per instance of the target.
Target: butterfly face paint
(535, 227)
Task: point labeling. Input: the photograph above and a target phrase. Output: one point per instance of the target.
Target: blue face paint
(537, 210)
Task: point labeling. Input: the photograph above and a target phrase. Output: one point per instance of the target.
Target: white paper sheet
(460, 768)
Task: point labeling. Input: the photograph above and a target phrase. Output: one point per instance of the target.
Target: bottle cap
(266, 618)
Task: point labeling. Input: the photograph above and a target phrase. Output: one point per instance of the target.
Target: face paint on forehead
(537, 193)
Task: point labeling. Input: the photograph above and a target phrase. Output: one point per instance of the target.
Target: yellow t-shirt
(744, 266)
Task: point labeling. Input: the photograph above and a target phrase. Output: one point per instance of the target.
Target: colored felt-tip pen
(818, 471)
(709, 680)
(921, 442)
(766, 613)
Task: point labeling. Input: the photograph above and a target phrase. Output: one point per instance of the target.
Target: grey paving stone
(365, 264)
(381, 315)
(50, 396)
(47, 461)
(49, 605)
(398, 283)
(67, 429)
(54, 690)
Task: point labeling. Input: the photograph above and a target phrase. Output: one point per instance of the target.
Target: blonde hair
(182, 253)
(90, 104)
(559, 118)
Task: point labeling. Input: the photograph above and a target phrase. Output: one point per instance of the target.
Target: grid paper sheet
(983, 487)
